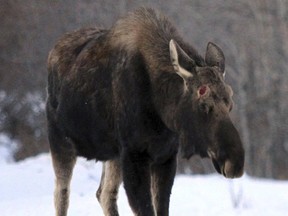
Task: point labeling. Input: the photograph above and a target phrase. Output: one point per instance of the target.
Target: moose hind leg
(63, 159)
(63, 168)
(107, 192)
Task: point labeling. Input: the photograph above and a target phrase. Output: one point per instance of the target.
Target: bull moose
(133, 96)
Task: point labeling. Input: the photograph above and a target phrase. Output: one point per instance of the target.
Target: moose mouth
(227, 169)
(217, 166)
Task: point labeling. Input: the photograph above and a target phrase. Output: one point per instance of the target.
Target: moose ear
(215, 57)
(177, 53)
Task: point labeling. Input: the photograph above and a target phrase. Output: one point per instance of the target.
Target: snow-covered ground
(26, 189)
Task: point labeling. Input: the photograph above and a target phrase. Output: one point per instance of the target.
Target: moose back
(132, 97)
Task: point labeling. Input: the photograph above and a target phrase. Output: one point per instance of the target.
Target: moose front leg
(136, 178)
(162, 178)
(107, 192)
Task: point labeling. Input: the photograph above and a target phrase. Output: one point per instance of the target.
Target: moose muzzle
(228, 155)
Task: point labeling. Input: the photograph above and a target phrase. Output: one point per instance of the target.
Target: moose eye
(202, 90)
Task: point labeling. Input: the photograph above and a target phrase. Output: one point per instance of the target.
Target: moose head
(202, 114)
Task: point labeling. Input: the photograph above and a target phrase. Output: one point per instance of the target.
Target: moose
(133, 97)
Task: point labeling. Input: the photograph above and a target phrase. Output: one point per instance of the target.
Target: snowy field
(26, 189)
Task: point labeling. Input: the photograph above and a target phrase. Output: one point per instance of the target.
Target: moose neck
(167, 93)
(148, 33)
(167, 86)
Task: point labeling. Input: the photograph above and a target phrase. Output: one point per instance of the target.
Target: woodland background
(253, 35)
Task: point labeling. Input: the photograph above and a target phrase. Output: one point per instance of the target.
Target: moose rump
(131, 97)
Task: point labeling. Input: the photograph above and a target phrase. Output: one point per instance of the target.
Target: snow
(26, 189)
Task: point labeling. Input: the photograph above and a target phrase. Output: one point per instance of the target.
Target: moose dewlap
(133, 96)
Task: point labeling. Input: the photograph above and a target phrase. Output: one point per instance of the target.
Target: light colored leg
(63, 168)
(107, 192)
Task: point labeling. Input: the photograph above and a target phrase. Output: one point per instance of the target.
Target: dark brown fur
(130, 96)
